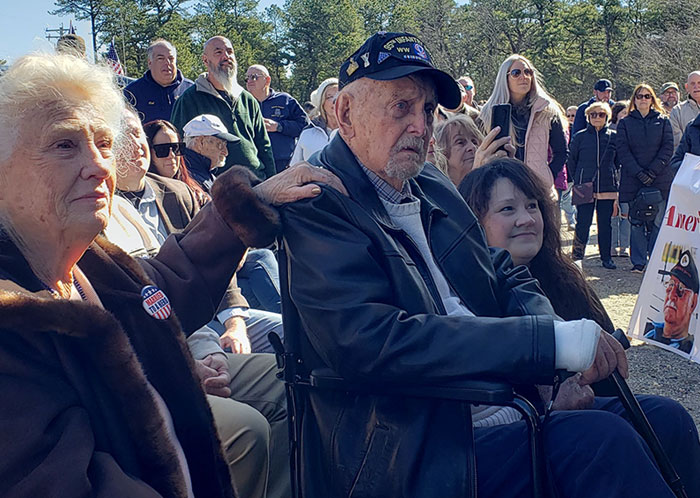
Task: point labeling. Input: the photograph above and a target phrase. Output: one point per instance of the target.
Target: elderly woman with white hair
(537, 119)
(323, 122)
(99, 394)
(593, 167)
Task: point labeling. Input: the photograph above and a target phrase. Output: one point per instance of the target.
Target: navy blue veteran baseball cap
(390, 56)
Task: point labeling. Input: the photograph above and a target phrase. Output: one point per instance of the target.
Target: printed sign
(666, 312)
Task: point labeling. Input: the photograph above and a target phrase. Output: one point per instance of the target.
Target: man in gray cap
(669, 95)
(394, 286)
(602, 92)
(206, 141)
(679, 304)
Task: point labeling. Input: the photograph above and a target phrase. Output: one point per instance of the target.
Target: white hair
(40, 82)
(501, 94)
(260, 68)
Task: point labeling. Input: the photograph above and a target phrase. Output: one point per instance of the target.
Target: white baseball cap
(208, 125)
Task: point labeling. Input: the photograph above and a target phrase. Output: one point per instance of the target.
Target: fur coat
(79, 416)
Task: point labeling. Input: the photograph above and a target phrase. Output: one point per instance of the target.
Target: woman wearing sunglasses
(644, 148)
(537, 120)
(592, 159)
(167, 151)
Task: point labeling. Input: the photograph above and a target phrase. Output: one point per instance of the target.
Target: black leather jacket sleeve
(369, 320)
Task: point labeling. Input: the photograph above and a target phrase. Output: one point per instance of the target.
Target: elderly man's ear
(342, 112)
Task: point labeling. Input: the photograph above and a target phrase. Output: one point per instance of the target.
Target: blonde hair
(655, 104)
(603, 106)
(458, 122)
(38, 83)
(501, 95)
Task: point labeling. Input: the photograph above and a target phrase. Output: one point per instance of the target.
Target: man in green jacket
(217, 92)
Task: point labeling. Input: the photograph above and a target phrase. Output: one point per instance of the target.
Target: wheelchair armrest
(471, 391)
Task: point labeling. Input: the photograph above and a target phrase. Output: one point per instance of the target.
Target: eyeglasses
(515, 73)
(252, 77)
(468, 87)
(217, 142)
(571, 115)
(597, 115)
(680, 289)
(643, 96)
(163, 150)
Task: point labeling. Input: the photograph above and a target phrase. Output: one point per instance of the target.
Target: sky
(24, 23)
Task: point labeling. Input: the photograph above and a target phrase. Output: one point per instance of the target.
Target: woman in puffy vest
(537, 119)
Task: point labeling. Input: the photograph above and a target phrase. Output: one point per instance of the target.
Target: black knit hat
(389, 56)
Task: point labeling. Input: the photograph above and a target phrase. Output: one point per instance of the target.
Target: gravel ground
(652, 370)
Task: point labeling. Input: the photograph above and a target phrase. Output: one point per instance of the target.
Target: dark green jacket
(243, 120)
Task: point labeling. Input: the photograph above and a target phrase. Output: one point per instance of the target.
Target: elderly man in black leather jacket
(394, 285)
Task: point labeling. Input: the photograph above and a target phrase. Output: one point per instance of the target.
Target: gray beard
(405, 170)
(225, 77)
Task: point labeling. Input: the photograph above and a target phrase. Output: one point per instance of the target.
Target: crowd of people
(139, 281)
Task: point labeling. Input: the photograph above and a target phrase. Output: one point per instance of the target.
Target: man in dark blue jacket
(284, 117)
(155, 93)
(602, 91)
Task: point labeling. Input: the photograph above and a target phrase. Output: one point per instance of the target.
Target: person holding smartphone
(537, 123)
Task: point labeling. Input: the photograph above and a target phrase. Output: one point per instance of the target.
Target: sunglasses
(163, 150)
(571, 115)
(597, 115)
(677, 286)
(468, 87)
(644, 96)
(515, 73)
(252, 77)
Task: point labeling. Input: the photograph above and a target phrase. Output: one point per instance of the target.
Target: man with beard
(669, 96)
(217, 92)
(681, 299)
(206, 140)
(394, 286)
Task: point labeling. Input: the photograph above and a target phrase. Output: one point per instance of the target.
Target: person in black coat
(644, 148)
(592, 159)
(690, 143)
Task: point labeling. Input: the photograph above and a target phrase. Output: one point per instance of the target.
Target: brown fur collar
(114, 358)
(255, 223)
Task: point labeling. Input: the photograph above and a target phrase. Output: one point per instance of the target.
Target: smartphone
(501, 117)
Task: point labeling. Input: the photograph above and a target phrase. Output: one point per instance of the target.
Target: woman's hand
(490, 148)
(295, 183)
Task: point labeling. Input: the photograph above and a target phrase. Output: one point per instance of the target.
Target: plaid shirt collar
(385, 191)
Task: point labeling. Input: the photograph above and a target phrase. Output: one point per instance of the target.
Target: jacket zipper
(425, 272)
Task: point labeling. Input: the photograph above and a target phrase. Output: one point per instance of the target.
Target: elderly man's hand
(236, 336)
(270, 125)
(609, 356)
(214, 375)
(490, 148)
(573, 395)
(295, 183)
